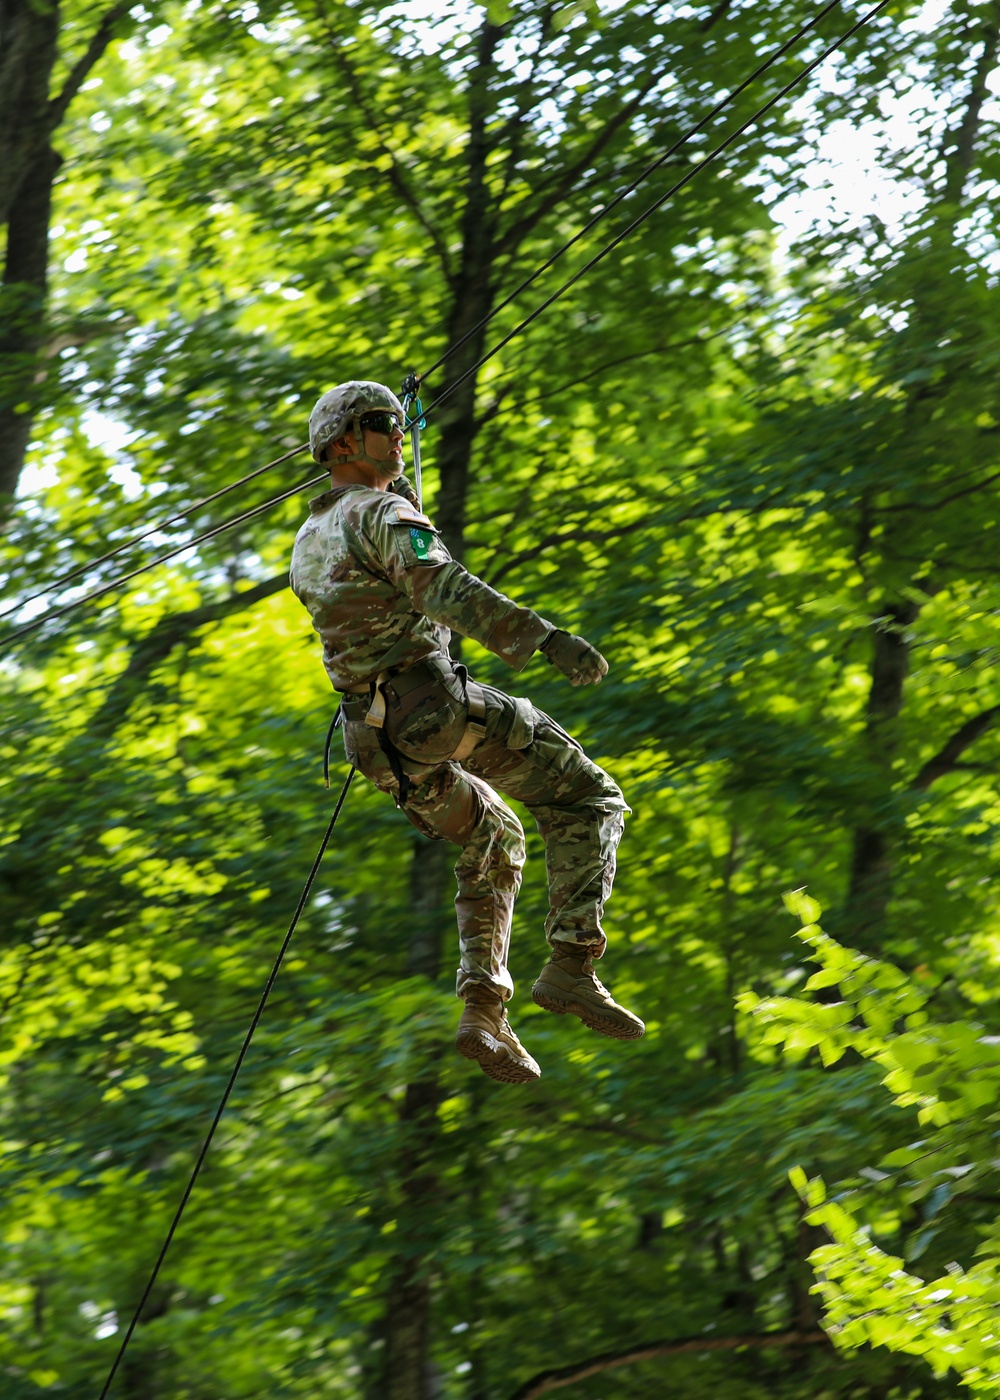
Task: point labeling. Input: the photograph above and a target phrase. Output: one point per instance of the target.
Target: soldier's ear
(342, 447)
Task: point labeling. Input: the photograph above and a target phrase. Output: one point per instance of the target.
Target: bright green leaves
(566, 14)
(949, 1072)
(871, 1299)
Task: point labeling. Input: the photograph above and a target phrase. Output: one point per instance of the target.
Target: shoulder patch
(409, 515)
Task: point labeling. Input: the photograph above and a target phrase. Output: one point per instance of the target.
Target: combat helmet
(341, 408)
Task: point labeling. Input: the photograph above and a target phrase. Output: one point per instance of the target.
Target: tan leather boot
(484, 1035)
(568, 983)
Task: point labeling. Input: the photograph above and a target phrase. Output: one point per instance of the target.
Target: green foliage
(762, 479)
(949, 1073)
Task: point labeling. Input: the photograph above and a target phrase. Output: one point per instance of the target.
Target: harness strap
(475, 728)
(396, 764)
(375, 718)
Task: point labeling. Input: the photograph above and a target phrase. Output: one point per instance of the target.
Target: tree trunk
(30, 113)
(22, 313)
(408, 1374)
(472, 300)
(29, 38)
(871, 867)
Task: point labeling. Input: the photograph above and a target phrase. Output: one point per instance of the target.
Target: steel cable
(63, 579)
(661, 160)
(650, 210)
(525, 322)
(160, 559)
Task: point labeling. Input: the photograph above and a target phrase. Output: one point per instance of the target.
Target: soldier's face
(385, 447)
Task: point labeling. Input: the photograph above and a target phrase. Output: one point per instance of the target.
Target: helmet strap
(345, 460)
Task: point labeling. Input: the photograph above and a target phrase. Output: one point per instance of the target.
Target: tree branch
(513, 130)
(557, 537)
(99, 41)
(931, 507)
(547, 1381)
(562, 182)
(160, 641)
(397, 176)
(495, 409)
(946, 759)
(711, 20)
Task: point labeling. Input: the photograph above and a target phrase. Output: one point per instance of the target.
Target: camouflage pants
(579, 811)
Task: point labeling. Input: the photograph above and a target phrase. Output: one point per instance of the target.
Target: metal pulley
(415, 421)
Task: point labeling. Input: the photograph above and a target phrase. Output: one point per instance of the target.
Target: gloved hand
(575, 657)
(401, 487)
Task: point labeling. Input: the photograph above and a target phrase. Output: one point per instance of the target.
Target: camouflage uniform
(384, 595)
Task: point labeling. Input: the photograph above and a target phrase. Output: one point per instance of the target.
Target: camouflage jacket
(384, 592)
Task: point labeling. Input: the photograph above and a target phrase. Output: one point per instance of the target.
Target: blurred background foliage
(758, 468)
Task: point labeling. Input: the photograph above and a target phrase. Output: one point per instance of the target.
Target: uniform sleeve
(417, 562)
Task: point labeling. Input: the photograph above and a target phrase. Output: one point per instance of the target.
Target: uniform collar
(327, 499)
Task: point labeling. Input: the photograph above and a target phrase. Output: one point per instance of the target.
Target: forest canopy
(753, 456)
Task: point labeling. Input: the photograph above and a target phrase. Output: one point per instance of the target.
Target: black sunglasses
(380, 422)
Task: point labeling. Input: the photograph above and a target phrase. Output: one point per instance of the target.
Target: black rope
(720, 106)
(413, 380)
(160, 559)
(63, 579)
(521, 326)
(652, 208)
(229, 1087)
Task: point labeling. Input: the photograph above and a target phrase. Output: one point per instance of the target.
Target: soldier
(384, 595)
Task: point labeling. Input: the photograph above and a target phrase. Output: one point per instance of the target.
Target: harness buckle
(375, 718)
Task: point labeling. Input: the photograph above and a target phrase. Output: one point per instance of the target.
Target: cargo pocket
(427, 724)
(522, 729)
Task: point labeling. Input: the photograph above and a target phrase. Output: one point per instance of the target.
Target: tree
(663, 463)
(45, 59)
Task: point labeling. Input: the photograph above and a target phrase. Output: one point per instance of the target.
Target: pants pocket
(429, 722)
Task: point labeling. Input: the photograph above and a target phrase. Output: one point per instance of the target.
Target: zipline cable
(160, 559)
(652, 208)
(229, 1087)
(720, 106)
(591, 223)
(495, 349)
(63, 579)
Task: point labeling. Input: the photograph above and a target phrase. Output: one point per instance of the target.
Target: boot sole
(494, 1059)
(562, 1003)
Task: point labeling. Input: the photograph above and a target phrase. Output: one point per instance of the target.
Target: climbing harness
(393, 686)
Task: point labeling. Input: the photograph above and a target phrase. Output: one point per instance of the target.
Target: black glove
(575, 657)
(401, 487)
